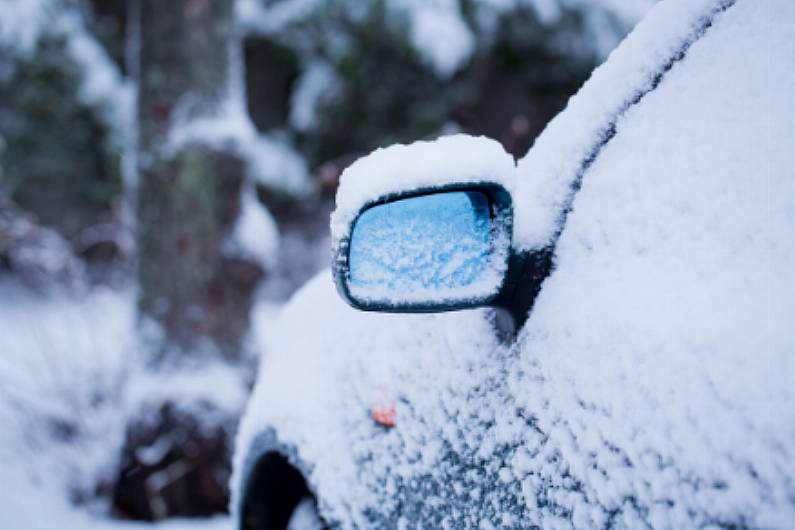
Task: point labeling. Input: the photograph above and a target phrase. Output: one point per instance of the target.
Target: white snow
(603, 22)
(438, 32)
(216, 383)
(546, 174)
(66, 392)
(24, 23)
(379, 357)
(318, 85)
(652, 384)
(305, 517)
(402, 168)
(269, 161)
(436, 28)
(256, 17)
(69, 378)
(255, 235)
(62, 364)
(274, 164)
(674, 275)
(103, 85)
(35, 506)
(442, 37)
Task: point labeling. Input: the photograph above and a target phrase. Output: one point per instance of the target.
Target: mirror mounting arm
(520, 291)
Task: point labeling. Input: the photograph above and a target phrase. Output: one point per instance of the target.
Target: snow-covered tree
(371, 72)
(193, 298)
(64, 108)
(198, 262)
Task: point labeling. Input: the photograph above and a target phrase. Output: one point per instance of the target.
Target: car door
(656, 368)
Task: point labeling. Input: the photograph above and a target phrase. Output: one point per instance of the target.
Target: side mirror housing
(428, 227)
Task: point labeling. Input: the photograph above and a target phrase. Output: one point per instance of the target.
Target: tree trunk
(194, 301)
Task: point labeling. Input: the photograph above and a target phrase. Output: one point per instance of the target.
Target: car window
(663, 336)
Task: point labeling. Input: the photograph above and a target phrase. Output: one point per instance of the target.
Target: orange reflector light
(384, 416)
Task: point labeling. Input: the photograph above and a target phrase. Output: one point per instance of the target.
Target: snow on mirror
(427, 250)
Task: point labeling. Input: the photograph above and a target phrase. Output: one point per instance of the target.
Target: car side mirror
(428, 227)
(427, 251)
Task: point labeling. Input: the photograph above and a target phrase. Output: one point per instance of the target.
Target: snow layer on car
(326, 366)
(651, 386)
(548, 174)
(662, 346)
(400, 168)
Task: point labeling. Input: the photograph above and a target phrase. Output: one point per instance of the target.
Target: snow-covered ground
(69, 379)
(64, 362)
(29, 505)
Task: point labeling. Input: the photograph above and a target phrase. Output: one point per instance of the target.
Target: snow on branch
(255, 235)
(25, 23)
(269, 162)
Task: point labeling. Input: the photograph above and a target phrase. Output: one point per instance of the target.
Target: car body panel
(651, 385)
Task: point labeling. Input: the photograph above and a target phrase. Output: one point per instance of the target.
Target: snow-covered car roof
(652, 384)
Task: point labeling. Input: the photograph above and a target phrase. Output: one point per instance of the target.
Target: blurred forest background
(167, 169)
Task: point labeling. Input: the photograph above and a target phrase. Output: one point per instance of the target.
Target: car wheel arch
(274, 480)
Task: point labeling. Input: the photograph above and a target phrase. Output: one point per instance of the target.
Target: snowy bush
(368, 73)
(62, 367)
(61, 95)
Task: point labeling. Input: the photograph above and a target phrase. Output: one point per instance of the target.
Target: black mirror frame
(501, 205)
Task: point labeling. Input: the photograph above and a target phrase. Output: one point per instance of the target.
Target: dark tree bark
(194, 299)
(187, 201)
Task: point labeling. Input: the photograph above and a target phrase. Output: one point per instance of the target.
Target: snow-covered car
(652, 384)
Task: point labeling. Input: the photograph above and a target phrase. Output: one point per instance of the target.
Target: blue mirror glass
(437, 248)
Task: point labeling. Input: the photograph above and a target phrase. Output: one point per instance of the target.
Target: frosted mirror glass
(433, 249)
